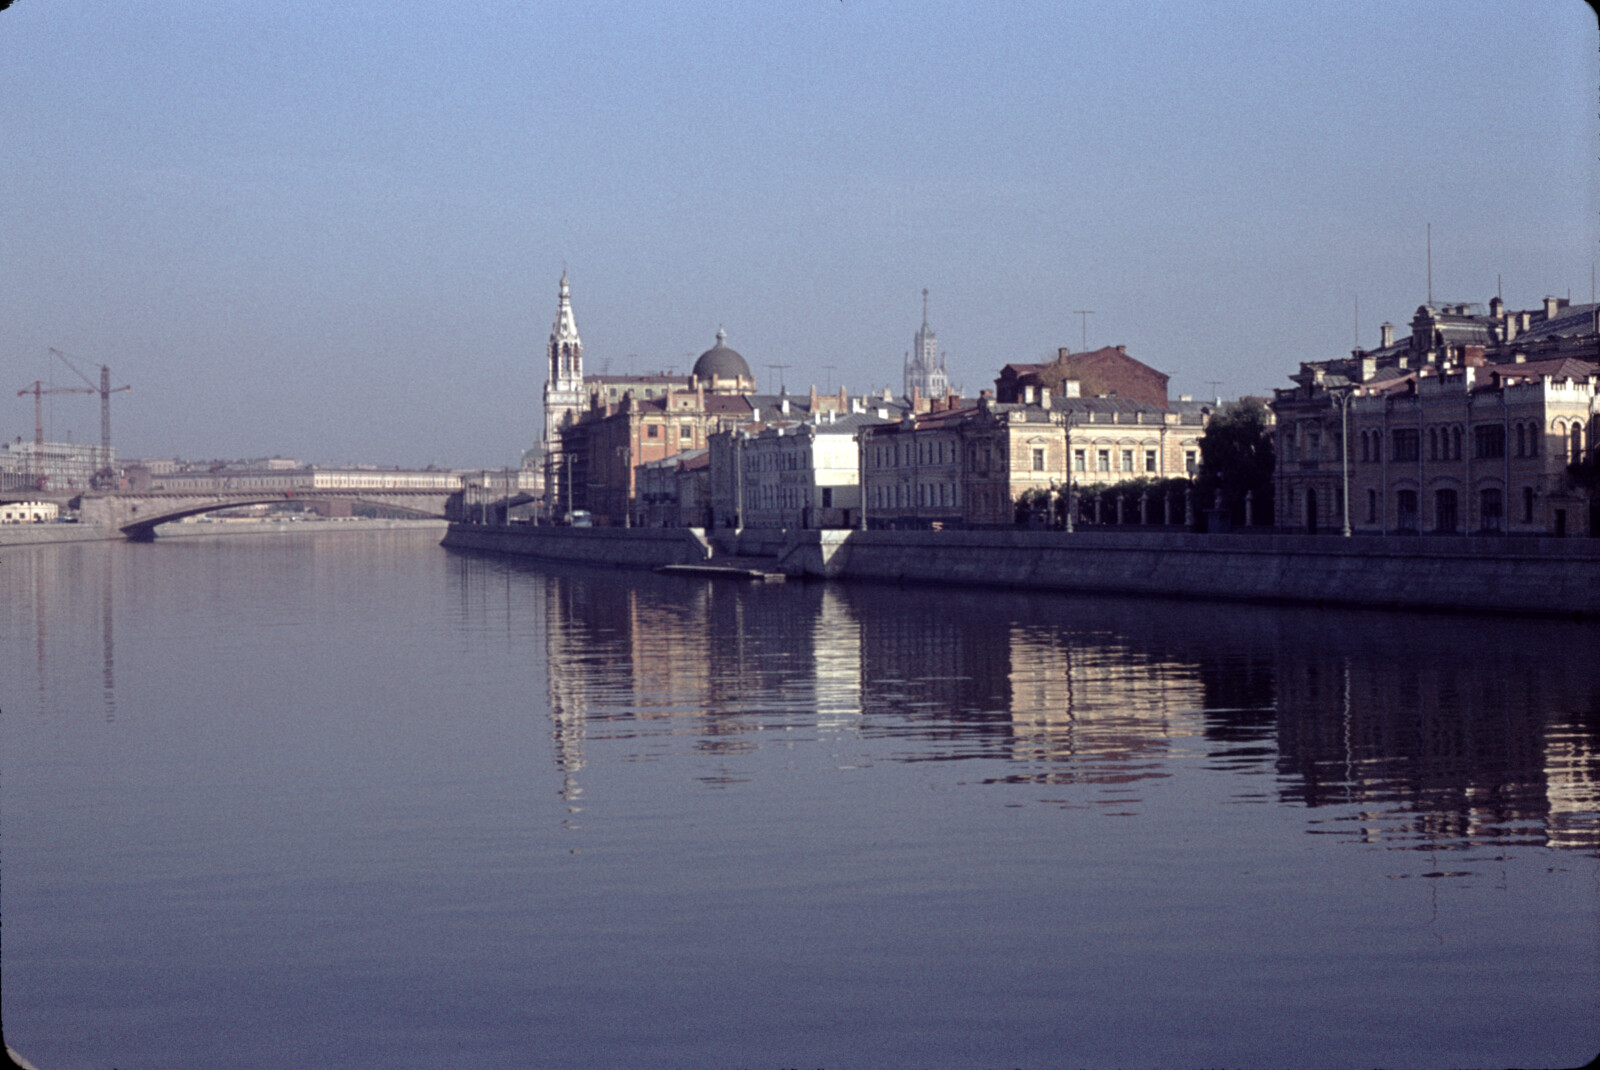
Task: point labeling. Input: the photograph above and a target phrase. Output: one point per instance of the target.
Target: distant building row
(705, 450)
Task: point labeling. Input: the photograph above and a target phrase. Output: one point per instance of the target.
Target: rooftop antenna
(924, 308)
(1085, 313)
(1497, 287)
(1430, 265)
(779, 369)
(830, 369)
(1215, 393)
(1358, 321)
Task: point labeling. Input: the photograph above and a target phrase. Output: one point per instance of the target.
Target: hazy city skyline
(336, 234)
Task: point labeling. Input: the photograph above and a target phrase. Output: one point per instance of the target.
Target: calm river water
(353, 800)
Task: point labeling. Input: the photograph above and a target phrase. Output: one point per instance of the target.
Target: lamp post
(1072, 506)
(1342, 396)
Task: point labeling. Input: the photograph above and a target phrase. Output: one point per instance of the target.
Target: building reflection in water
(1419, 730)
(36, 574)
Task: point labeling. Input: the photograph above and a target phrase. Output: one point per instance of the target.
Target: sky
(335, 232)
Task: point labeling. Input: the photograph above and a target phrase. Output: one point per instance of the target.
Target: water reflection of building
(1073, 697)
(1432, 729)
(1459, 740)
(836, 641)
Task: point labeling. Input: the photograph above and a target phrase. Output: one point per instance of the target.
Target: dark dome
(720, 362)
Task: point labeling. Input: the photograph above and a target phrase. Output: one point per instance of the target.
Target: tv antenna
(1085, 313)
(779, 369)
(1215, 392)
(830, 369)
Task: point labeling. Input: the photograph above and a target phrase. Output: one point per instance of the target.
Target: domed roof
(720, 362)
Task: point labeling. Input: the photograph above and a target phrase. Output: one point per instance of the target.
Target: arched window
(1406, 510)
(1455, 444)
(1433, 444)
(1577, 442)
(1521, 440)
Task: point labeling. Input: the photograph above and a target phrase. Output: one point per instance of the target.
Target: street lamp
(1342, 395)
(1072, 506)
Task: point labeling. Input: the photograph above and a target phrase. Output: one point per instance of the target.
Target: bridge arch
(137, 516)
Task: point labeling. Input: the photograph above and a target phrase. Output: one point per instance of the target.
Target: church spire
(566, 348)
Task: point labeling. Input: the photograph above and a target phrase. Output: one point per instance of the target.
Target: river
(360, 801)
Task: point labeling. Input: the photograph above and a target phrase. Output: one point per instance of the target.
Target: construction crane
(38, 390)
(105, 390)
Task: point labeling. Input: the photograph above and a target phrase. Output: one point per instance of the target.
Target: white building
(564, 398)
(803, 474)
(29, 512)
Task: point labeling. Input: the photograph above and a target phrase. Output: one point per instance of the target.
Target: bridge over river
(137, 515)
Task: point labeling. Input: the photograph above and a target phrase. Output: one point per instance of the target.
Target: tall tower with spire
(563, 385)
(924, 369)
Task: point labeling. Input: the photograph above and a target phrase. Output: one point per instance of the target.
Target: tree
(1236, 459)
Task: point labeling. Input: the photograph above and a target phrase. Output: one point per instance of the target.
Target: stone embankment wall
(1483, 574)
(1533, 575)
(625, 547)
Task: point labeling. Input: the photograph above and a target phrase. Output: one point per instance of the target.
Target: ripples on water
(460, 809)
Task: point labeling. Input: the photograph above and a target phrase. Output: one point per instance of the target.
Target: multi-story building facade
(967, 465)
(1468, 426)
(56, 466)
(802, 474)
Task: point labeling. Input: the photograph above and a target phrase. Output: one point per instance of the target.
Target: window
(1105, 460)
(652, 431)
(1455, 443)
(1078, 464)
(1372, 507)
(1577, 443)
(1433, 444)
(1489, 442)
(1522, 441)
(1188, 461)
(1489, 509)
(1127, 460)
(1405, 503)
(1445, 519)
(1405, 445)
(1527, 505)
(686, 432)
(1149, 460)
(1038, 460)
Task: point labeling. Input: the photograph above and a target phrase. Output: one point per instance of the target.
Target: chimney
(1386, 336)
(1472, 356)
(1123, 350)
(1497, 307)
(1044, 397)
(783, 404)
(1551, 306)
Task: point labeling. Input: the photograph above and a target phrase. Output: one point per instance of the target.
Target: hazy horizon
(335, 234)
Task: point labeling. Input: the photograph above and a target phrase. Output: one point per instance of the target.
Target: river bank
(1542, 576)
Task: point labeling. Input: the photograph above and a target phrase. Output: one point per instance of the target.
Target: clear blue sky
(334, 231)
